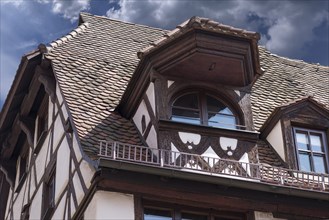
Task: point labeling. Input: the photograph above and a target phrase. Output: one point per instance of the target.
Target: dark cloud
(296, 29)
(286, 26)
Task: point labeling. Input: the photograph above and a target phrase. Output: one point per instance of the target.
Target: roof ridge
(78, 30)
(196, 22)
(291, 59)
(121, 21)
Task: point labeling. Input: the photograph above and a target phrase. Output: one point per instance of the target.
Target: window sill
(206, 130)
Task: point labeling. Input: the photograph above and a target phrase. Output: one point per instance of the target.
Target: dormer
(191, 90)
(298, 132)
(203, 50)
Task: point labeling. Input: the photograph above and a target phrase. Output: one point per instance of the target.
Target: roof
(94, 63)
(200, 23)
(284, 81)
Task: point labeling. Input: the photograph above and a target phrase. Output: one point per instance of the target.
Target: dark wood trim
(47, 79)
(86, 199)
(153, 120)
(212, 195)
(72, 153)
(138, 207)
(27, 126)
(209, 131)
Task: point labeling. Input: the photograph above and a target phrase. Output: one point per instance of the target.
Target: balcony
(186, 162)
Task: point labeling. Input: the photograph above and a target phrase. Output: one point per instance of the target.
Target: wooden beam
(210, 195)
(27, 126)
(47, 79)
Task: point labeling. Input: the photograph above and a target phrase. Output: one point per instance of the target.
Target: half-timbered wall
(275, 138)
(145, 118)
(59, 151)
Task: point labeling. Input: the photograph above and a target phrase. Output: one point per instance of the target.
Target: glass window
(156, 214)
(200, 108)
(311, 150)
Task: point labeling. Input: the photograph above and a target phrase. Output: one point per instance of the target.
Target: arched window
(201, 108)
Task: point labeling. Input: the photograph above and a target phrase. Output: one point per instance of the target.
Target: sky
(297, 29)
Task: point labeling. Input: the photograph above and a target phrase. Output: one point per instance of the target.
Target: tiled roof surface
(93, 65)
(267, 155)
(284, 81)
(94, 68)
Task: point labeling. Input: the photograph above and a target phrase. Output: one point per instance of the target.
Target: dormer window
(311, 150)
(203, 109)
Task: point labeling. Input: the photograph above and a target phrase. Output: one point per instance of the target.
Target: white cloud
(286, 26)
(26, 44)
(70, 9)
(16, 3)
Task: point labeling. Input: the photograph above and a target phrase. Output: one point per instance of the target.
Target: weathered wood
(216, 196)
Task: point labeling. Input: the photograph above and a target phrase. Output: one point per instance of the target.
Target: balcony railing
(213, 166)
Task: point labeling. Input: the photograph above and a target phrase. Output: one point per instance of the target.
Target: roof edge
(19, 73)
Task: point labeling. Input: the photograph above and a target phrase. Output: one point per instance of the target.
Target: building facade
(123, 121)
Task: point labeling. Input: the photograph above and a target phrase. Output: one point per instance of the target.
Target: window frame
(177, 210)
(42, 125)
(23, 167)
(310, 152)
(203, 109)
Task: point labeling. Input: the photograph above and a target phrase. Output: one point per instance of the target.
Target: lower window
(154, 213)
(311, 148)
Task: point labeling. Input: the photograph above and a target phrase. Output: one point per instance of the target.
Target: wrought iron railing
(213, 166)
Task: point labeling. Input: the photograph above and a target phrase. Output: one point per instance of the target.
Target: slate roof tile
(94, 65)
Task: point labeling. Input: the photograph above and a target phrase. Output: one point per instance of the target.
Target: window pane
(153, 214)
(190, 216)
(213, 105)
(316, 142)
(187, 101)
(319, 163)
(304, 161)
(221, 121)
(302, 140)
(186, 116)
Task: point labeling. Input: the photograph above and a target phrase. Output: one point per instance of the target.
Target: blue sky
(297, 29)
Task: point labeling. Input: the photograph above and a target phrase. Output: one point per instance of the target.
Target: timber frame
(304, 113)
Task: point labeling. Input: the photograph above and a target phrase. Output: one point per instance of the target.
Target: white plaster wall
(275, 138)
(189, 137)
(78, 188)
(73, 208)
(50, 112)
(152, 140)
(35, 209)
(76, 148)
(170, 82)
(87, 172)
(110, 205)
(65, 114)
(9, 201)
(58, 94)
(151, 96)
(59, 212)
(40, 161)
(58, 131)
(142, 110)
(62, 168)
(32, 183)
(17, 207)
